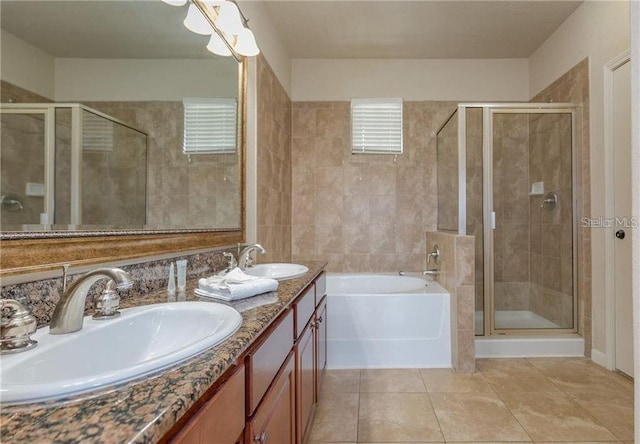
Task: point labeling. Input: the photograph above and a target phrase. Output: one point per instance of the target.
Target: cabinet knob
(320, 319)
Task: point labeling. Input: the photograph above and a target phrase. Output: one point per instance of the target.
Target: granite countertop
(142, 411)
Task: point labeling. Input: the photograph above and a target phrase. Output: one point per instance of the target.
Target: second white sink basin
(277, 271)
(142, 340)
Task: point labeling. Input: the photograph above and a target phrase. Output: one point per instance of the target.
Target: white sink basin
(277, 271)
(142, 340)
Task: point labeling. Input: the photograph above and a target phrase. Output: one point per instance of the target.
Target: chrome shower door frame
(489, 110)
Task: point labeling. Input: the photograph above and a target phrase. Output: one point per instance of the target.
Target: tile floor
(508, 400)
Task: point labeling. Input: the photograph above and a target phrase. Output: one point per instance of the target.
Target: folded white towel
(234, 285)
(235, 276)
(242, 305)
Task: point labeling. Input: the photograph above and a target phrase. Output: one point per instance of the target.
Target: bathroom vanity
(259, 386)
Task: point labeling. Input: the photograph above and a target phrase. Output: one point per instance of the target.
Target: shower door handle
(620, 234)
(493, 220)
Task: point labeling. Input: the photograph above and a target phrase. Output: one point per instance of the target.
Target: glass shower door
(26, 162)
(530, 220)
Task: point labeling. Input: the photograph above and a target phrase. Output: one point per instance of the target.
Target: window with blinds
(376, 126)
(210, 126)
(97, 133)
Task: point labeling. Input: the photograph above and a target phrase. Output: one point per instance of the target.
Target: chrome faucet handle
(431, 272)
(231, 260)
(16, 326)
(107, 303)
(435, 254)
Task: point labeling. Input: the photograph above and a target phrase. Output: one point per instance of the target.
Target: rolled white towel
(235, 285)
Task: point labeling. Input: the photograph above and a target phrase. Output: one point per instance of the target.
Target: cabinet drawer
(221, 420)
(304, 308)
(266, 360)
(321, 287)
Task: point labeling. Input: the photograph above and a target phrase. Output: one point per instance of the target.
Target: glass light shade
(175, 2)
(229, 19)
(246, 43)
(217, 46)
(196, 22)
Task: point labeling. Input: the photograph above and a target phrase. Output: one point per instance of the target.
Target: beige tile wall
(448, 177)
(475, 197)
(274, 166)
(24, 165)
(573, 87)
(457, 275)
(10, 93)
(198, 191)
(511, 204)
(22, 160)
(363, 213)
(551, 237)
(114, 183)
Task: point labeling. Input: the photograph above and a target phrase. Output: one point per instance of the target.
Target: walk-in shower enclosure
(68, 166)
(506, 175)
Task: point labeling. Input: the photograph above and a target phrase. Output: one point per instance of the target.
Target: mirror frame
(31, 252)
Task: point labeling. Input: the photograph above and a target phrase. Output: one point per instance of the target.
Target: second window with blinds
(376, 126)
(210, 126)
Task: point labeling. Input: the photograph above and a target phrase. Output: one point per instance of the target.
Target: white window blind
(210, 126)
(97, 133)
(376, 126)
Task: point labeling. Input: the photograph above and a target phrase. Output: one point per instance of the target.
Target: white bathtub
(387, 321)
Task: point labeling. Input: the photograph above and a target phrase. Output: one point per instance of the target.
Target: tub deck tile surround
(143, 411)
(457, 276)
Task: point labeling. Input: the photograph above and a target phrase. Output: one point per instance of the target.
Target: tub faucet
(244, 258)
(435, 254)
(69, 313)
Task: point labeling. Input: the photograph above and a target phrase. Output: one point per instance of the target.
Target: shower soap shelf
(537, 189)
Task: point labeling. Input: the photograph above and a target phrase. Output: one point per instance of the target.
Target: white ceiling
(421, 29)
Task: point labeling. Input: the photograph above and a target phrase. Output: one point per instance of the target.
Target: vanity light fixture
(228, 20)
(196, 22)
(218, 46)
(224, 21)
(175, 2)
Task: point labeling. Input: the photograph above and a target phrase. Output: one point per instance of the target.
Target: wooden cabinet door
(221, 420)
(264, 362)
(305, 380)
(274, 420)
(321, 344)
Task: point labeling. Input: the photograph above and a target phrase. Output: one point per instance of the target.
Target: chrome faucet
(16, 325)
(69, 313)
(244, 257)
(435, 255)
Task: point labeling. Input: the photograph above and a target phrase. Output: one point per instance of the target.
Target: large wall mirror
(116, 120)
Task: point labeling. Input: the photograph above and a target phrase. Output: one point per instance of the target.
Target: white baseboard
(600, 358)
